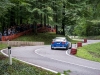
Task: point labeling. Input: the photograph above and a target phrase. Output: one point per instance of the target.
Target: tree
(58, 13)
(5, 5)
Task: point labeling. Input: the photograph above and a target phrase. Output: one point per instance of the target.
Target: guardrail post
(10, 56)
(85, 40)
(79, 44)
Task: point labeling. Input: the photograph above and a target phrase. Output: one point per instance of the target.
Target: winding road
(56, 60)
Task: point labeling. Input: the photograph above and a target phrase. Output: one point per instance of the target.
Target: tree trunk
(41, 20)
(35, 27)
(63, 21)
(44, 20)
(12, 18)
(21, 19)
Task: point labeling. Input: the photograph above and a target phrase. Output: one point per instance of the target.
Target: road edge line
(29, 63)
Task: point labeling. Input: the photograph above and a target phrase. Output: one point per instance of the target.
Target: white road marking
(76, 57)
(30, 63)
(82, 65)
(3, 52)
(36, 51)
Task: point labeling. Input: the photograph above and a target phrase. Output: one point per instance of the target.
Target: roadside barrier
(79, 44)
(85, 40)
(11, 37)
(73, 51)
(22, 43)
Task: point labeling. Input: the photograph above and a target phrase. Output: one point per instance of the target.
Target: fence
(21, 43)
(11, 37)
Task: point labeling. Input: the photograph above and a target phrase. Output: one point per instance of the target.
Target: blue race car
(60, 43)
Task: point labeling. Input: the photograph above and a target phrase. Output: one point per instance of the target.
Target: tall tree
(5, 5)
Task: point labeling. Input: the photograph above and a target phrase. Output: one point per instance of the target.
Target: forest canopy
(73, 17)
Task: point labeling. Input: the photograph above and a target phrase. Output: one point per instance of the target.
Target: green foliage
(87, 28)
(93, 27)
(91, 37)
(74, 12)
(80, 29)
(86, 10)
(58, 73)
(66, 72)
(4, 6)
(2, 46)
(19, 68)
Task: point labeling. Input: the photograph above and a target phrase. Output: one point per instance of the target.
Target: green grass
(90, 52)
(2, 46)
(41, 37)
(20, 68)
(91, 37)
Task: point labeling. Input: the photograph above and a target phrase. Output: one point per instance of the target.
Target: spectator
(9, 31)
(5, 32)
(0, 36)
(13, 30)
(16, 29)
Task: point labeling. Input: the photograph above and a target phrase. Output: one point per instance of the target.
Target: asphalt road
(56, 60)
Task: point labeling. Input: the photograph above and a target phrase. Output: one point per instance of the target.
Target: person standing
(9, 31)
(0, 36)
(5, 34)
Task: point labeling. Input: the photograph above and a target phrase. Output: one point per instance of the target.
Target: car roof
(60, 38)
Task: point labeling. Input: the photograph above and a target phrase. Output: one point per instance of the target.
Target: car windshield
(60, 40)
